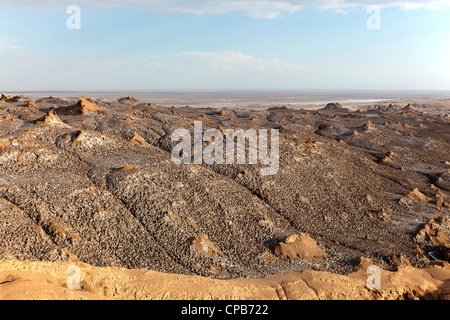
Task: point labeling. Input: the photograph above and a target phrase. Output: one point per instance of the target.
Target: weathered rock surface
(97, 188)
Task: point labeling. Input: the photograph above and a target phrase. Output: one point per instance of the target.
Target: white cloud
(226, 62)
(186, 70)
(8, 40)
(435, 7)
(253, 8)
(24, 70)
(9, 44)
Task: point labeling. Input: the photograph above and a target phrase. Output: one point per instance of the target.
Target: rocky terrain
(92, 181)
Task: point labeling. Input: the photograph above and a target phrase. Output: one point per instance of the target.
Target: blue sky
(241, 44)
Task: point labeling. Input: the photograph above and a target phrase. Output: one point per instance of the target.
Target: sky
(224, 45)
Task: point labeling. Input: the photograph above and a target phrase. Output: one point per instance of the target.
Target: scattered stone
(409, 108)
(3, 145)
(5, 97)
(382, 214)
(398, 259)
(362, 263)
(126, 167)
(432, 233)
(83, 107)
(269, 257)
(205, 246)
(416, 195)
(51, 119)
(191, 222)
(263, 194)
(354, 133)
(130, 99)
(334, 106)
(138, 140)
(8, 117)
(300, 246)
(368, 126)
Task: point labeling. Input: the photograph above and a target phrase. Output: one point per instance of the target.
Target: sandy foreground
(47, 280)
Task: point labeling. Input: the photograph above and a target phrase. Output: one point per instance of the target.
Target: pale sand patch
(47, 280)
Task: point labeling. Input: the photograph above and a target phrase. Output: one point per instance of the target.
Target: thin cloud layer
(195, 69)
(8, 40)
(229, 61)
(253, 8)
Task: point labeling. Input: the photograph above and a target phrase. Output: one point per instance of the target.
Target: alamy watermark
(215, 146)
(374, 21)
(74, 20)
(74, 280)
(374, 280)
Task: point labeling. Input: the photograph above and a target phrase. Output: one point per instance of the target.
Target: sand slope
(46, 280)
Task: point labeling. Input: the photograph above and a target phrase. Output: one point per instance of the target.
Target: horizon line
(216, 90)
